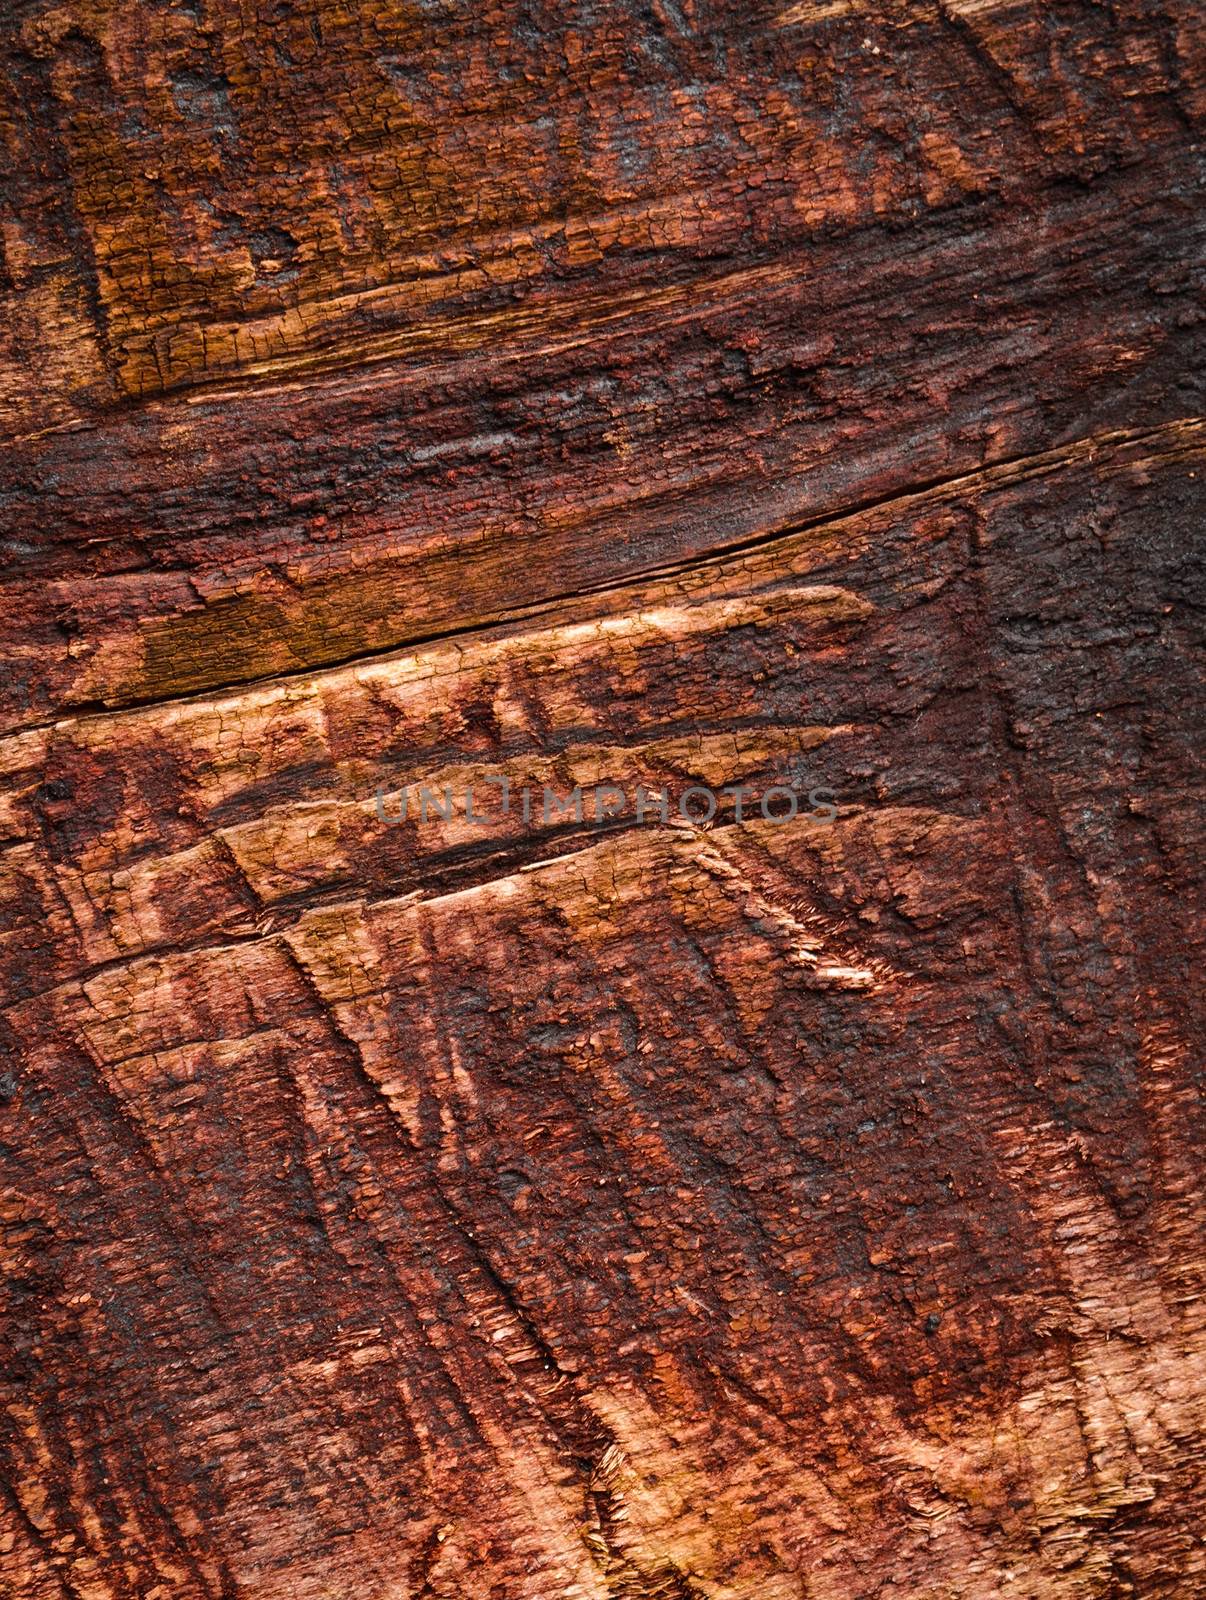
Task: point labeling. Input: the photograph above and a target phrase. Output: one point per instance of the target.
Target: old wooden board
(411, 1189)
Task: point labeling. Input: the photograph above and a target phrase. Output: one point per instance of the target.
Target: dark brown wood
(409, 397)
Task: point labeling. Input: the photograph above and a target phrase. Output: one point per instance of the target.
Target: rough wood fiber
(670, 394)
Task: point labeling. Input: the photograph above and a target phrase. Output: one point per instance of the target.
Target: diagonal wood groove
(1185, 434)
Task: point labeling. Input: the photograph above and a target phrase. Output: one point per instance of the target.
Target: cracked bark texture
(400, 391)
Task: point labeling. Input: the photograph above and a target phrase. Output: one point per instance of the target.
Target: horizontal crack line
(1007, 470)
(455, 872)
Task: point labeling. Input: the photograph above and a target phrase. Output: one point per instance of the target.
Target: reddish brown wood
(403, 396)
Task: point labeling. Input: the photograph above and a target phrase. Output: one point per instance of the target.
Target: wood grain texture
(399, 395)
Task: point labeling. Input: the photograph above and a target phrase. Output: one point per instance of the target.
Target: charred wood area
(413, 410)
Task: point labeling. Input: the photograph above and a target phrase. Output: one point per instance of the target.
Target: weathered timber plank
(402, 393)
(696, 1212)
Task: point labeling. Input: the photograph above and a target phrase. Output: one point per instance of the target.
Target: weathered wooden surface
(669, 395)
